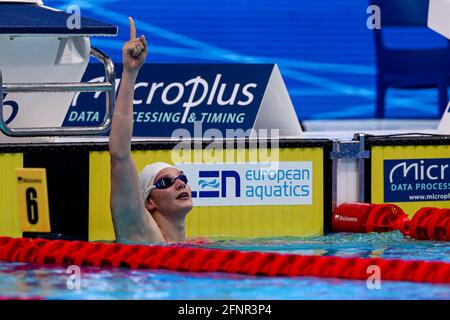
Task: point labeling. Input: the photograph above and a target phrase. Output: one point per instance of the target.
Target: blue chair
(408, 68)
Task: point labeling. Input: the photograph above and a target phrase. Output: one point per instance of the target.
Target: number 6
(32, 206)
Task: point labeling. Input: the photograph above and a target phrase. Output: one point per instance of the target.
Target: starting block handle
(108, 87)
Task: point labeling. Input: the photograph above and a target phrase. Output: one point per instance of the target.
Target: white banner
(250, 184)
(444, 125)
(438, 13)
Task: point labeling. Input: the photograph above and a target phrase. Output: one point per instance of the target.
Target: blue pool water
(21, 280)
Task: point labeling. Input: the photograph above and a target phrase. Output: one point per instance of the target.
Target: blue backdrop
(323, 48)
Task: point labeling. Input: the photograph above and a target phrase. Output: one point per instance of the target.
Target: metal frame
(354, 150)
(108, 87)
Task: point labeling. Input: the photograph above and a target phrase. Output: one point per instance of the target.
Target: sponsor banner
(176, 96)
(250, 184)
(410, 180)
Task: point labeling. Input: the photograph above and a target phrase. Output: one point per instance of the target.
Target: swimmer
(151, 207)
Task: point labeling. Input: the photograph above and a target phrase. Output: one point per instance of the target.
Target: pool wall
(78, 176)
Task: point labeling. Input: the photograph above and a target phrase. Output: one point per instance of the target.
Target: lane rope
(426, 224)
(191, 259)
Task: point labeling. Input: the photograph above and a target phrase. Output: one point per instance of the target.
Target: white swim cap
(148, 174)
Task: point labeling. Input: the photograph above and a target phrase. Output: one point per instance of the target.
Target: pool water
(22, 280)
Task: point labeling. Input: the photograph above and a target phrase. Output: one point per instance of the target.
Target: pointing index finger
(132, 29)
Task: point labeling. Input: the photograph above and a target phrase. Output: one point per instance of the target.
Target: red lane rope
(426, 224)
(62, 252)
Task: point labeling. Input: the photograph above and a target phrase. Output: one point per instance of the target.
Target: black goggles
(166, 182)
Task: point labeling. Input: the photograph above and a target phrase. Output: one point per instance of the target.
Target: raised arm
(131, 220)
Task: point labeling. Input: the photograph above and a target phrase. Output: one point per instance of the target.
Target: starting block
(43, 54)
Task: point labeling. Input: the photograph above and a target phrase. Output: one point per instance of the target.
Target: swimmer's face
(175, 199)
